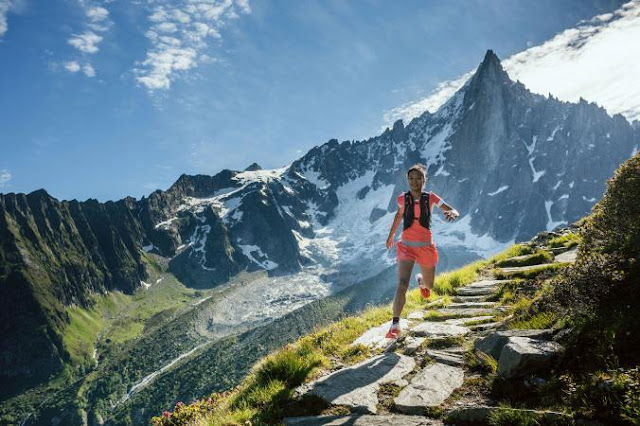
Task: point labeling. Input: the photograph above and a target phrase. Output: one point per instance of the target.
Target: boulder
(493, 343)
(522, 356)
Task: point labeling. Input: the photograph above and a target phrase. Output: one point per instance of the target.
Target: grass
(541, 320)
(530, 273)
(568, 240)
(536, 258)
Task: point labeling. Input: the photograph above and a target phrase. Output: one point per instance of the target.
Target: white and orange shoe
(394, 331)
(424, 291)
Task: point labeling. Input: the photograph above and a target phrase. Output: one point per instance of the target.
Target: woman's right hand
(390, 242)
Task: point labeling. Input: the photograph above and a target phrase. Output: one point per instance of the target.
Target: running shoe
(424, 291)
(394, 331)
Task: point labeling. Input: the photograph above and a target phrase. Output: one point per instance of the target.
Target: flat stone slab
(487, 326)
(412, 344)
(522, 356)
(481, 288)
(568, 256)
(375, 337)
(429, 388)
(463, 299)
(357, 386)
(493, 343)
(417, 315)
(515, 269)
(438, 330)
(483, 305)
(363, 420)
(446, 357)
(467, 320)
(480, 414)
(463, 312)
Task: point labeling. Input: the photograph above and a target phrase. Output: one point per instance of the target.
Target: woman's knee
(403, 283)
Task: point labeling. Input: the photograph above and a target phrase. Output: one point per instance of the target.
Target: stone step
(464, 299)
(481, 414)
(429, 388)
(465, 321)
(363, 420)
(481, 288)
(412, 344)
(516, 269)
(487, 326)
(568, 257)
(483, 305)
(464, 312)
(375, 337)
(446, 357)
(357, 386)
(435, 330)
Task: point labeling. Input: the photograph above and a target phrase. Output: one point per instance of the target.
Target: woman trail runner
(416, 244)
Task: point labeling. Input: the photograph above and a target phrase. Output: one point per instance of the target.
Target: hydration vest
(425, 212)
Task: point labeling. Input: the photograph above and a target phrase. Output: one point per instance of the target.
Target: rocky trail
(424, 377)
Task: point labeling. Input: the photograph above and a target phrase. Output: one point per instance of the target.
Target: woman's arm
(449, 212)
(394, 228)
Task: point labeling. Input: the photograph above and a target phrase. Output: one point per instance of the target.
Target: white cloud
(5, 178)
(5, 7)
(97, 14)
(88, 70)
(86, 42)
(597, 60)
(192, 25)
(72, 66)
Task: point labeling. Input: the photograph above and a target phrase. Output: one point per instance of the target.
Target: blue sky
(111, 98)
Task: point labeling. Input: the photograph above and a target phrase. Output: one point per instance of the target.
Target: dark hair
(420, 168)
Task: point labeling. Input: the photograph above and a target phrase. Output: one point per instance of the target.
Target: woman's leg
(404, 276)
(428, 276)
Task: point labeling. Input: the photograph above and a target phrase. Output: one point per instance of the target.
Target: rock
(493, 343)
(465, 321)
(429, 388)
(463, 299)
(416, 315)
(476, 305)
(357, 386)
(522, 356)
(463, 312)
(438, 329)
(516, 269)
(375, 337)
(481, 415)
(488, 326)
(568, 257)
(480, 288)
(363, 420)
(445, 357)
(412, 344)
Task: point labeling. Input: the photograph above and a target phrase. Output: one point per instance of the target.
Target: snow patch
(248, 251)
(499, 190)
(536, 175)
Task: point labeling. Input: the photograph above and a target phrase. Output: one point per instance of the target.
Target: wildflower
(166, 414)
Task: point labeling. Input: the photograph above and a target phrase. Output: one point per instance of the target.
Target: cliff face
(513, 163)
(55, 254)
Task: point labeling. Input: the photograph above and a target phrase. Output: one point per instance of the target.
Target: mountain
(512, 162)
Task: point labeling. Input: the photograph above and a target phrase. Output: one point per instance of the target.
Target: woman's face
(416, 180)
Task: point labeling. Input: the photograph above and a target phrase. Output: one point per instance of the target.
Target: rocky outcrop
(522, 356)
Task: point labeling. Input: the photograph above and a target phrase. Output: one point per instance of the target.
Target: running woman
(416, 244)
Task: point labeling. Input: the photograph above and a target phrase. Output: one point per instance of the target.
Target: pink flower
(166, 414)
(209, 400)
(179, 404)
